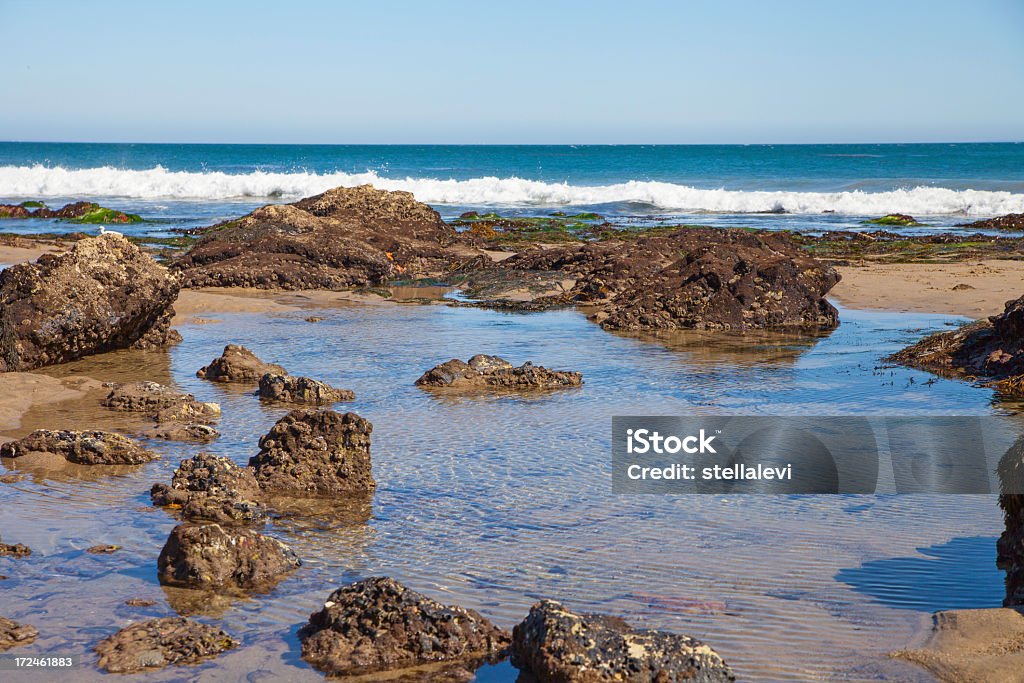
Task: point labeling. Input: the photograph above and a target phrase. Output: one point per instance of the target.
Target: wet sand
(11, 255)
(973, 646)
(975, 289)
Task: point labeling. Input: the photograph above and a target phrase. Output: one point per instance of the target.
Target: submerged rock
(163, 642)
(101, 295)
(896, 219)
(82, 448)
(1011, 221)
(212, 488)
(14, 550)
(162, 403)
(238, 364)
(379, 624)
(103, 549)
(992, 349)
(211, 556)
(318, 452)
(484, 371)
(557, 646)
(345, 237)
(13, 634)
(286, 388)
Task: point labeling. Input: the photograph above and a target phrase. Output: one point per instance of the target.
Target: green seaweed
(32, 204)
(895, 219)
(98, 214)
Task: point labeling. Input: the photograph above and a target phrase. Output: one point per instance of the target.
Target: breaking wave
(160, 183)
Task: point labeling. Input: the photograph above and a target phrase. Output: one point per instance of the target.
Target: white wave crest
(159, 183)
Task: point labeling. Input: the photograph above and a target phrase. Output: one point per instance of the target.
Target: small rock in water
(378, 624)
(314, 319)
(139, 602)
(556, 645)
(191, 431)
(82, 448)
(104, 549)
(11, 478)
(492, 372)
(13, 634)
(212, 488)
(163, 642)
(215, 557)
(301, 390)
(15, 550)
(238, 364)
(317, 452)
(161, 403)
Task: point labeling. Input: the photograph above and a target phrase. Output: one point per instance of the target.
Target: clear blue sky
(503, 72)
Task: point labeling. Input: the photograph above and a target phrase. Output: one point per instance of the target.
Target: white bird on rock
(104, 231)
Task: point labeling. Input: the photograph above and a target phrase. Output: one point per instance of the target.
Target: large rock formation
(317, 452)
(82, 448)
(558, 646)
(215, 557)
(13, 634)
(492, 372)
(163, 642)
(379, 624)
(345, 237)
(288, 389)
(210, 488)
(238, 364)
(992, 349)
(697, 278)
(1011, 221)
(101, 295)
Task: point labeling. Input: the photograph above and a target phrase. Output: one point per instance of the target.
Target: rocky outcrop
(558, 646)
(492, 372)
(163, 642)
(693, 278)
(288, 389)
(895, 219)
(82, 448)
(78, 212)
(219, 558)
(345, 237)
(992, 349)
(238, 364)
(101, 295)
(1011, 221)
(379, 624)
(13, 634)
(317, 452)
(214, 489)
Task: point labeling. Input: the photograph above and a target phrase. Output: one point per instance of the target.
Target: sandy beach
(975, 289)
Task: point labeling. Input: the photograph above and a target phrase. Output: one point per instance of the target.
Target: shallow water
(494, 502)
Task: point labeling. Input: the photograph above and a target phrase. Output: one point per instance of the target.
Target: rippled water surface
(492, 502)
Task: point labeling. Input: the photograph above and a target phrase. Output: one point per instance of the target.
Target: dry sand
(968, 646)
(11, 255)
(975, 289)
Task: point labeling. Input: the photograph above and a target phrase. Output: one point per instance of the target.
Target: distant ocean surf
(962, 180)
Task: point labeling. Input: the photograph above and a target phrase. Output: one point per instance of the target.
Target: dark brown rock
(211, 488)
(694, 278)
(82, 448)
(992, 349)
(378, 624)
(318, 452)
(187, 431)
(288, 389)
(345, 237)
(558, 646)
(101, 295)
(493, 372)
(238, 364)
(1011, 221)
(215, 557)
(13, 634)
(163, 642)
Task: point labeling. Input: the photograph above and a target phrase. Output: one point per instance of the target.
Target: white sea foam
(159, 183)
